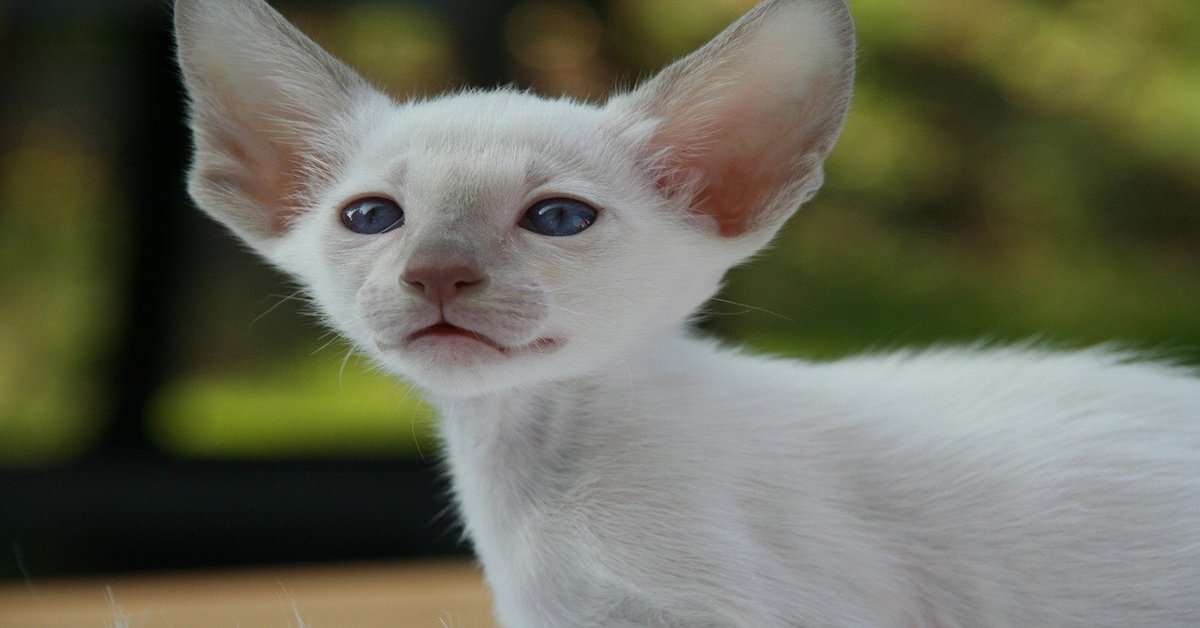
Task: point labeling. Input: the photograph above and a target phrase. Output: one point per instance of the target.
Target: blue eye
(371, 216)
(558, 217)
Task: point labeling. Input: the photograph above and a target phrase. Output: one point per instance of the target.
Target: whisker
(708, 313)
(568, 311)
(284, 299)
(412, 431)
(750, 307)
(329, 343)
(342, 370)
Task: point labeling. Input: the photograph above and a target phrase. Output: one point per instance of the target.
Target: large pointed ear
(270, 112)
(740, 127)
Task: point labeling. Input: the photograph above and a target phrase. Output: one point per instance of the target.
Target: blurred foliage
(59, 293)
(312, 405)
(1011, 169)
(407, 47)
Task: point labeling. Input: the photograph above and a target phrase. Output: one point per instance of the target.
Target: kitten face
(439, 273)
(537, 306)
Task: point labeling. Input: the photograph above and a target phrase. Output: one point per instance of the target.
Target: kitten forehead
(480, 148)
(505, 116)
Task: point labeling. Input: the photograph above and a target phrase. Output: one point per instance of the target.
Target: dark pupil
(373, 216)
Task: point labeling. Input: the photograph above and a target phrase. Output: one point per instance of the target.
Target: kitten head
(488, 240)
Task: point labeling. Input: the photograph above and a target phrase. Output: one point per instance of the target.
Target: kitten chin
(461, 364)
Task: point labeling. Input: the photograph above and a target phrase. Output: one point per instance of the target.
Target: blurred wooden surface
(447, 593)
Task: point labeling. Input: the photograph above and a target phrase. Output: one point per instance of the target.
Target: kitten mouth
(450, 331)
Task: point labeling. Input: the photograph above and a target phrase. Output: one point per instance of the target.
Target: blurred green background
(1011, 169)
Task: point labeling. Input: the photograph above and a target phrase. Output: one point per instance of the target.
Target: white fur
(614, 470)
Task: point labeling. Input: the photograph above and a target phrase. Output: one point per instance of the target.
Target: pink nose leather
(442, 284)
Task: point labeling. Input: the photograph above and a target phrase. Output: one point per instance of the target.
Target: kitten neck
(512, 450)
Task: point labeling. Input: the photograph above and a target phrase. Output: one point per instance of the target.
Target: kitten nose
(441, 284)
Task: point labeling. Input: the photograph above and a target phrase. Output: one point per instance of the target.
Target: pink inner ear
(742, 163)
(735, 190)
(270, 175)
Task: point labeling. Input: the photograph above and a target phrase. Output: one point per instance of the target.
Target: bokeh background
(1012, 170)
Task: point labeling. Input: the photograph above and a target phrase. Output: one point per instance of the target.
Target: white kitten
(532, 264)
